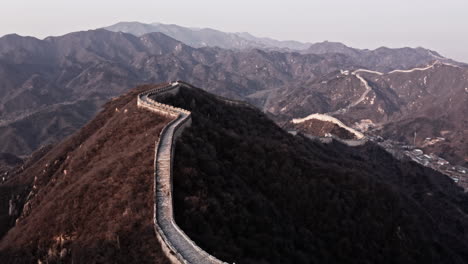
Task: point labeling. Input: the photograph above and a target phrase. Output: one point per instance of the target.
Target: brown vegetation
(93, 195)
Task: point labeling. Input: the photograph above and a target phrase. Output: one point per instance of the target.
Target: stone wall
(177, 246)
(348, 142)
(327, 118)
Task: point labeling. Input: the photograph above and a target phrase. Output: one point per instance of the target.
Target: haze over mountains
(383, 58)
(203, 37)
(242, 187)
(49, 88)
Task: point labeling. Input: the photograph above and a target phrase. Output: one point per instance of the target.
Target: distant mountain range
(49, 88)
(207, 37)
(382, 59)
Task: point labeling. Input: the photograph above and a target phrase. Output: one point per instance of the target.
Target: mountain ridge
(245, 40)
(285, 198)
(401, 98)
(51, 87)
(201, 37)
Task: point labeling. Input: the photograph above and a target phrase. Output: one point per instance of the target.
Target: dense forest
(248, 192)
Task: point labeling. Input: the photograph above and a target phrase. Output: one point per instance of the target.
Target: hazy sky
(441, 25)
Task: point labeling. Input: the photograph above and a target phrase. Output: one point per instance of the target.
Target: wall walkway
(177, 246)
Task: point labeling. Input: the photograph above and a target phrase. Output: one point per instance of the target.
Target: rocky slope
(90, 198)
(7, 163)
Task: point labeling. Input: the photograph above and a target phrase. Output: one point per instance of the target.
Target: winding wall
(177, 246)
(327, 118)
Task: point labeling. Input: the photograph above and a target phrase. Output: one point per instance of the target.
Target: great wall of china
(360, 140)
(176, 245)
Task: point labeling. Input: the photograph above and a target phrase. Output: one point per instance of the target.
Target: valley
(384, 103)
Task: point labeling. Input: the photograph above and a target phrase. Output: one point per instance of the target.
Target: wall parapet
(176, 245)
